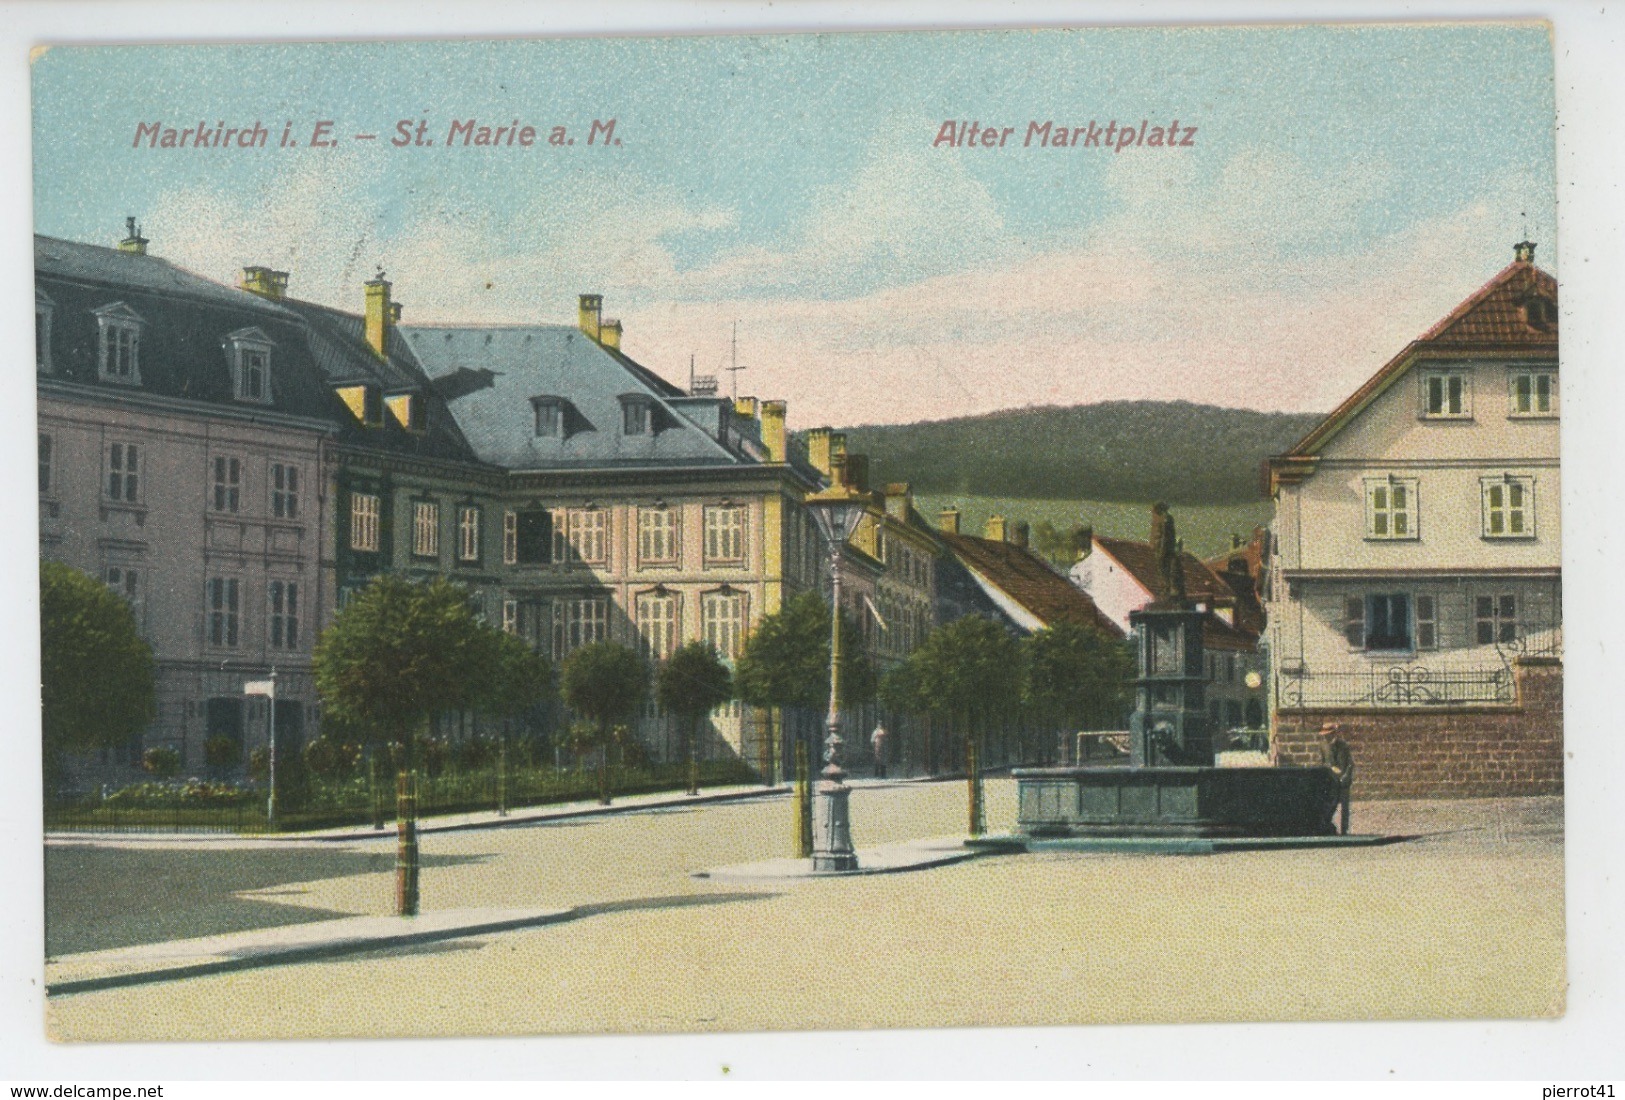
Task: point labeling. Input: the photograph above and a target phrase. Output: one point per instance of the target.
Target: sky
(1342, 190)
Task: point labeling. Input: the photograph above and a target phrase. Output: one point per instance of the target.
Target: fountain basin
(1172, 801)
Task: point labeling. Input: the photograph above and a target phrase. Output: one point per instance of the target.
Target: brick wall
(1445, 752)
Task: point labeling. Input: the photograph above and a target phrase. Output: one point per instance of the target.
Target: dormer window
(549, 416)
(1540, 313)
(638, 414)
(249, 353)
(42, 332)
(365, 403)
(409, 410)
(118, 349)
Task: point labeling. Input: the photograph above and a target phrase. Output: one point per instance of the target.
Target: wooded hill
(1117, 450)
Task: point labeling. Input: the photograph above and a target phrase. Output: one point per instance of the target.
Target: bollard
(973, 779)
(502, 777)
(804, 833)
(406, 849)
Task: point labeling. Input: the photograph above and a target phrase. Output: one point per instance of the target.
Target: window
(425, 529)
(248, 351)
(657, 536)
(46, 445)
(531, 533)
(118, 346)
(549, 418)
(468, 533)
(657, 624)
(223, 611)
(1509, 508)
(1387, 623)
(1446, 395)
(1390, 509)
(284, 491)
(722, 621)
(636, 414)
(123, 472)
(577, 623)
(228, 477)
(510, 614)
(583, 534)
(1427, 622)
(42, 333)
(510, 538)
(1533, 393)
(284, 614)
(125, 581)
(364, 508)
(725, 534)
(1495, 619)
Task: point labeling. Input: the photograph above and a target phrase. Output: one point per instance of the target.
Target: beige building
(1416, 546)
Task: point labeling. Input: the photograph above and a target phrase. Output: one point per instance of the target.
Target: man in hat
(1337, 756)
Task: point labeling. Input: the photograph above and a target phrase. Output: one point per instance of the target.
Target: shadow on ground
(100, 898)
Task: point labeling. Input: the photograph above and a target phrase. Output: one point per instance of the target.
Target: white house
(1415, 563)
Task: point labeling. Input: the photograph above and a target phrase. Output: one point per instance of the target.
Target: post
(372, 788)
(270, 792)
(693, 757)
(832, 843)
(973, 779)
(502, 774)
(406, 845)
(804, 829)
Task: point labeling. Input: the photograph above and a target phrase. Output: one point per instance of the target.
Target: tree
(1076, 677)
(604, 682)
(522, 679)
(399, 652)
(96, 672)
(967, 672)
(692, 683)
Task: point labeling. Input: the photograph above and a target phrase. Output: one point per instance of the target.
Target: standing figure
(1339, 758)
(877, 742)
(1165, 550)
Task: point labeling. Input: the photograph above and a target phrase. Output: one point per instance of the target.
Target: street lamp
(837, 511)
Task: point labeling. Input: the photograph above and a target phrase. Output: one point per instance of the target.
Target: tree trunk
(406, 838)
(692, 735)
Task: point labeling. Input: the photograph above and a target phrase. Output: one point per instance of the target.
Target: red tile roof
(1491, 320)
(1137, 558)
(1029, 581)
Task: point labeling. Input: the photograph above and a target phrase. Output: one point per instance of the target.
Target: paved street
(1466, 921)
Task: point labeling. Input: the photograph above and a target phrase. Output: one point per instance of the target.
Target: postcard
(808, 531)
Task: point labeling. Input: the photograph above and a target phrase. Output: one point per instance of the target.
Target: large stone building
(1414, 581)
(238, 463)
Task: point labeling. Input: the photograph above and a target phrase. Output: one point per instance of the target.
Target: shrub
(221, 751)
(162, 761)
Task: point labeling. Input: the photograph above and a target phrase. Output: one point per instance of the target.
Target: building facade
(1415, 571)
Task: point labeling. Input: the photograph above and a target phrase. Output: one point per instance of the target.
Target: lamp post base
(832, 828)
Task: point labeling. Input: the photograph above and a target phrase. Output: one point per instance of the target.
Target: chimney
(1085, 539)
(948, 521)
(135, 242)
(773, 413)
(589, 314)
(1020, 533)
(264, 282)
(837, 446)
(994, 532)
(381, 314)
(745, 407)
(1235, 541)
(899, 499)
(818, 449)
(1523, 252)
(609, 334)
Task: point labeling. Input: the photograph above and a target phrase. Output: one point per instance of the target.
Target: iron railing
(1408, 685)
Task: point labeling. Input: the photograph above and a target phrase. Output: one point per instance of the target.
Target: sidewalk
(485, 819)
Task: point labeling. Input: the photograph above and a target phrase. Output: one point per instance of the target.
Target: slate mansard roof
(185, 321)
(492, 377)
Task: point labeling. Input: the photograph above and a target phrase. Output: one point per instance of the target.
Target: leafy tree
(222, 752)
(969, 672)
(96, 672)
(522, 679)
(785, 662)
(604, 682)
(1076, 677)
(398, 653)
(692, 683)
